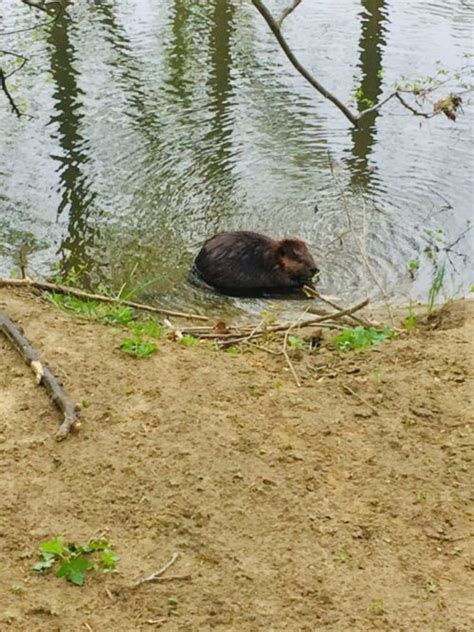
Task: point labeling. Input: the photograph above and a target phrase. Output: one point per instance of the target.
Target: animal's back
(236, 260)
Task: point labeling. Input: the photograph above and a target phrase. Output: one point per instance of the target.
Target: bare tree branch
(286, 12)
(275, 26)
(267, 16)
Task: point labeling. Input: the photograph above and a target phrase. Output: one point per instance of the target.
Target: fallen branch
(43, 376)
(71, 291)
(157, 575)
(228, 341)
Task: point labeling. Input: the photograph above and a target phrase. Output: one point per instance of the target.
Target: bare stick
(285, 352)
(61, 289)
(349, 390)
(157, 574)
(274, 27)
(43, 376)
(286, 12)
(357, 319)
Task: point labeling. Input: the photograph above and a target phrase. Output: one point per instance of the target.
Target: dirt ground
(291, 508)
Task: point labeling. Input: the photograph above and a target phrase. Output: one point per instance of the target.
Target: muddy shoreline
(291, 508)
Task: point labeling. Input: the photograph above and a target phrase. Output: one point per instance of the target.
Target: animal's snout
(313, 271)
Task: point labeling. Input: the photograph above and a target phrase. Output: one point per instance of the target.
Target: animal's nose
(314, 271)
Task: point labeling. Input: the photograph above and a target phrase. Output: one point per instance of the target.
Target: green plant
(118, 315)
(232, 351)
(361, 338)
(413, 267)
(74, 560)
(410, 320)
(435, 288)
(138, 347)
(189, 341)
(148, 327)
(81, 307)
(296, 343)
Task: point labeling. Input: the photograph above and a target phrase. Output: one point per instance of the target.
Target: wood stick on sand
(158, 575)
(72, 291)
(43, 376)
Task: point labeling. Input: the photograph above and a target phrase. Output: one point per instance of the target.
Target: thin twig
(157, 574)
(61, 289)
(286, 12)
(357, 319)
(348, 389)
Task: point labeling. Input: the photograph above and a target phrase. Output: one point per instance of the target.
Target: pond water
(156, 123)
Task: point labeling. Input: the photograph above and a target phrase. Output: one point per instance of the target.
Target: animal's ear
(286, 248)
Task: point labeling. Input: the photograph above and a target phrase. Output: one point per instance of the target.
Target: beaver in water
(245, 263)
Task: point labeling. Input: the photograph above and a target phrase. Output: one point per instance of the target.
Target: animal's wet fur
(250, 264)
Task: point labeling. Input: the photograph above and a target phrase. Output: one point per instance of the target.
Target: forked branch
(448, 105)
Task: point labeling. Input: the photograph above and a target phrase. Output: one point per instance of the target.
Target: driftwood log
(43, 376)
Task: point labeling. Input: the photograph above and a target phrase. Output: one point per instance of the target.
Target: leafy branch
(448, 105)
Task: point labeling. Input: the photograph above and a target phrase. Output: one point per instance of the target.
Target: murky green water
(157, 123)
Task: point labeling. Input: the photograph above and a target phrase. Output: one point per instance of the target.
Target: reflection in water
(371, 44)
(170, 120)
(76, 195)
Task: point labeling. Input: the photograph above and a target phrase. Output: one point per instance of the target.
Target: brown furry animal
(249, 264)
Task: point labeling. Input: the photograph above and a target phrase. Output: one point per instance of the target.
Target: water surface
(158, 123)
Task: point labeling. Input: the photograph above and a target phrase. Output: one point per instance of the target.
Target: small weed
(148, 327)
(376, 608)
(85, 403)
(296, 343)
(413, 267)
(431, 586)
(232, 351)
(118, 315)
(361, 338)
(74, 560)
(410, 320)
(17, 588)
(138, 347)
(172, 605)
(189, 341)
(435, 288)
(80, 307)
(343, 556)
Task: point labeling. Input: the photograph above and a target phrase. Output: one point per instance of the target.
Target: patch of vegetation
(72, 561)
(117, 315)
(361, 338)
(148, 327)
(435, 288)
(189, 341)
(80, 307)
(296, 343)
(137, 346)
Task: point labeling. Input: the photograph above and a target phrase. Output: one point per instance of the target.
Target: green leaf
(73, 570)
(53, 547)
(189, 341)
(40, 567)
(361, 338)
(109, 560)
